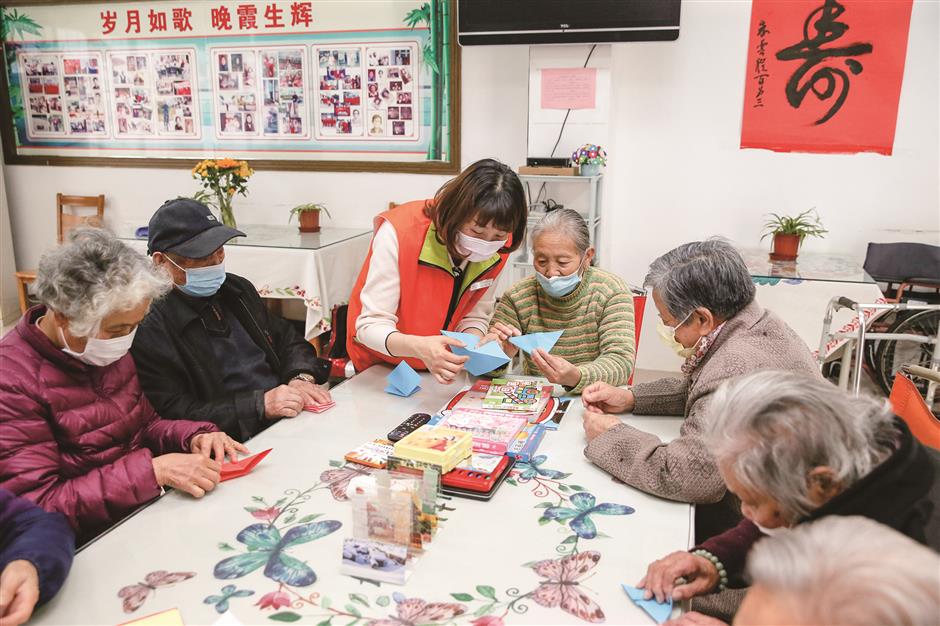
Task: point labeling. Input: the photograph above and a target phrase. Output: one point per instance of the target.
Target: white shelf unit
(520, 262)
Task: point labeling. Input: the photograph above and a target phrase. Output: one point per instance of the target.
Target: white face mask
(773, 532)
(477, 249)
(668, 336)
(101, 352)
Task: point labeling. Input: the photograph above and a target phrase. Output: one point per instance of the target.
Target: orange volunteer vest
(432, 298)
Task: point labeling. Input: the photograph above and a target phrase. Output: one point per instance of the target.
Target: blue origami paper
(534, 341)
(403, 381)
(659, 612)
(483, 359)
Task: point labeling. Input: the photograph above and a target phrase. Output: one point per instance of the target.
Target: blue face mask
(558, 286)
(202, 282)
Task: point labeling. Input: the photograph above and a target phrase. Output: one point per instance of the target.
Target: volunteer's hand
(19, 592)
(216, 445)
(502, 332)
(283, 401)
(700, 574)
(694, 619)
(441, 362)
(193, 473)
(556, 369)
(598, 423)
(312, 394)
(603, 398)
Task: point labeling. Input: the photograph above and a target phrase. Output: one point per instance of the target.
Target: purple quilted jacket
(79, 439)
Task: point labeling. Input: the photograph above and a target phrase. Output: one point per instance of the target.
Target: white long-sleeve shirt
(381, 294)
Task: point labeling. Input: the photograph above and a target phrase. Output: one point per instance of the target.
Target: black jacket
(178, 369)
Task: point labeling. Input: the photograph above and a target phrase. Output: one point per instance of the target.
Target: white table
(316, 268)
(799, 291)
(479, 550)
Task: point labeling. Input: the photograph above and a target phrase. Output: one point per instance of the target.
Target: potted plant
(309, 216)
(591, 158)
(221, 179)
(788, 233)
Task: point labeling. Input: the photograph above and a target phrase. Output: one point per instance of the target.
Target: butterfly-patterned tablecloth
(552, 547)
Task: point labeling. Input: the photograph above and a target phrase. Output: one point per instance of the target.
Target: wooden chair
(65, 222)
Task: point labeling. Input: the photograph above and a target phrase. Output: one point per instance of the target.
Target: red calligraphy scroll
(824, 75)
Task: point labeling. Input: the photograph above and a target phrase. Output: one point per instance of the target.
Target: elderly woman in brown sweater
(705, 299)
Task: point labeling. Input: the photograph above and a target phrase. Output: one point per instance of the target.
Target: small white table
(317, 268)
(477, 560)
(799, 291)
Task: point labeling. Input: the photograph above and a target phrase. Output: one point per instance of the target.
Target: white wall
(677, 174)
(493, 110)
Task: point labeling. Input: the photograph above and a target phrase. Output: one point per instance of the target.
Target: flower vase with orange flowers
(221, 179)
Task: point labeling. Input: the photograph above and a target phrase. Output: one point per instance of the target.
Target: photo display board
(333, 85)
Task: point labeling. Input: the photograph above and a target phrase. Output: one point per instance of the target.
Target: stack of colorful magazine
(505, 416)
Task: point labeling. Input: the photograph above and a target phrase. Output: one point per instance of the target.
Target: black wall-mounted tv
(490, 22)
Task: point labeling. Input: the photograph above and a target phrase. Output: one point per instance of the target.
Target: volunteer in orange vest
(432, 266)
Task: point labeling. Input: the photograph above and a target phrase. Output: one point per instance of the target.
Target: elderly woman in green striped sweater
(592, 306)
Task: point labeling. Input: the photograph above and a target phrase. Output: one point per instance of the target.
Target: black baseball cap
(188, 228)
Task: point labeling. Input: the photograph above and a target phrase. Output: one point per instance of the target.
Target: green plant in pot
(309, 216)
(789, 231)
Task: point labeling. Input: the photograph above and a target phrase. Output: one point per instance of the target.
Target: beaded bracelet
(722, 574)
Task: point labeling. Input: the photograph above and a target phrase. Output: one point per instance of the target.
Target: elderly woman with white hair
(795, 449)
(77, 434)
(593, 307)
(838, 571)
(705, 299)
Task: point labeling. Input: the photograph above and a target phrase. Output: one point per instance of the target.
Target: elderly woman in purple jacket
(36, 551)
(77, 434)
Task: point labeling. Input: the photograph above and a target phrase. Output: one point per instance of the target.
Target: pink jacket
(79, 439)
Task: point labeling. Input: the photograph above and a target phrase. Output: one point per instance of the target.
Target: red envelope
(240, 468)
(319, 408)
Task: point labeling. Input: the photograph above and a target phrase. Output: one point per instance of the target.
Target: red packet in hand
(319, 408)
(240, 468)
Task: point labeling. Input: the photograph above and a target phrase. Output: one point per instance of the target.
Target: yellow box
(441, 446)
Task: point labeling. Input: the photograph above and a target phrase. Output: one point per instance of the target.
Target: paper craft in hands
(240, 468)
(483, 359)
(403, 381)
(535, 341)
(319, 408)
(659, 612)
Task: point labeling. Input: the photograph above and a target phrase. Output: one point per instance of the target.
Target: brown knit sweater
(683, 469)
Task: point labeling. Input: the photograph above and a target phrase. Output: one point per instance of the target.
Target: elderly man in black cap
(210, 350)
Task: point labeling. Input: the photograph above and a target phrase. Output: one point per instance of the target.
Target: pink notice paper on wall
(569, 88)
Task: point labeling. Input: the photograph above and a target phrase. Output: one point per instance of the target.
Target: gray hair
(93, 275)
(566, 222)
(850, 571)
(772, 428)
(708, 274)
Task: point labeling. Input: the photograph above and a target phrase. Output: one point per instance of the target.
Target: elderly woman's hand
(596, 424)
(700, 574)
(19, 592)
(502, 332)
(218, 445)
(600, 397)
(193, 473)
(694, 619)
(556, 369)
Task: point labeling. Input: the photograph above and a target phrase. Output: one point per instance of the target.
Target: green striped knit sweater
(597, 318)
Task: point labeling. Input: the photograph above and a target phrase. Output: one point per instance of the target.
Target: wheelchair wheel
(892, 354)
